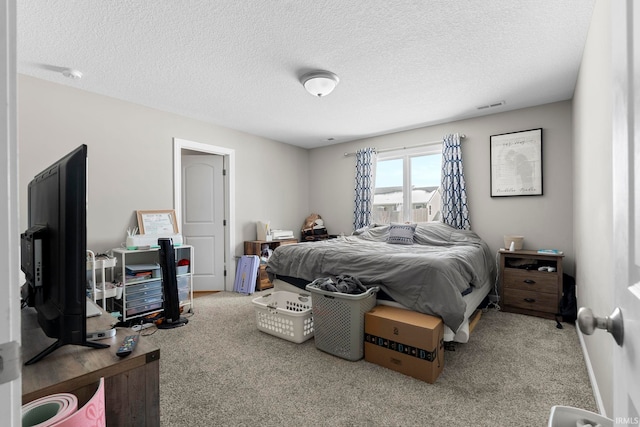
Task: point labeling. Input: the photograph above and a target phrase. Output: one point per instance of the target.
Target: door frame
(10, 331)
(229, 194)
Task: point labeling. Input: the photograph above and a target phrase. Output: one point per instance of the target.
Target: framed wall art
(516, 163)
(158, 222)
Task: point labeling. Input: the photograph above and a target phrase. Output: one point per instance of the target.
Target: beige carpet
(219, 370)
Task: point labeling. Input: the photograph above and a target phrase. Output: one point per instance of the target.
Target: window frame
(406, 154)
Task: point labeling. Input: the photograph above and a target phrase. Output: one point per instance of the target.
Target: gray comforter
(428, 276)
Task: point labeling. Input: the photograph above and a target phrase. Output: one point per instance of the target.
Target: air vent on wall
(492, 105)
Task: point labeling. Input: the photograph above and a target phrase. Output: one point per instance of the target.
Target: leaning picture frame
(516, 163)
(158, 222)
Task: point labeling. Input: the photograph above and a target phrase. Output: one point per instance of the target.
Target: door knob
(613, 324)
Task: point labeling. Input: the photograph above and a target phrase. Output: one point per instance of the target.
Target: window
(408, 178)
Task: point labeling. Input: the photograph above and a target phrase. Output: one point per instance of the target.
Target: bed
(439, 270)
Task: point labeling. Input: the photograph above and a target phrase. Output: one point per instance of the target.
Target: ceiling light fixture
(71, 73)
(319, 83)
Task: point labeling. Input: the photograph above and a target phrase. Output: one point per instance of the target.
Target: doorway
(202, 225)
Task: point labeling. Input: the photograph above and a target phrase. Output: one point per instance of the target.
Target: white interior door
(203, 218)
(626, 211)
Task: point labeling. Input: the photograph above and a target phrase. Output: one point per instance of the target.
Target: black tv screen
(54, 251)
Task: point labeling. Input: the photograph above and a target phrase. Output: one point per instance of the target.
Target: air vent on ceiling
(492, 105)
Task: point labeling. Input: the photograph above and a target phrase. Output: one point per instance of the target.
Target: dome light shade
(319, 83)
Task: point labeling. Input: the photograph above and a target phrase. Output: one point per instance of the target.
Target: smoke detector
(71, 73)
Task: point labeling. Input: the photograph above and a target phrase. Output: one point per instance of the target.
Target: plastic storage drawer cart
(339, 320)
(286, 315)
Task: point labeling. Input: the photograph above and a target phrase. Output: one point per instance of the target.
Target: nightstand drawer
(528, 280)
(529, 300)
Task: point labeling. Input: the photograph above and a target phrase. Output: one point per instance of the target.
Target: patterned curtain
(455, 211)
(365, 162)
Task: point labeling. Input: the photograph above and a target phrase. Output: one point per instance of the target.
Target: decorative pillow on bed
(401, 234)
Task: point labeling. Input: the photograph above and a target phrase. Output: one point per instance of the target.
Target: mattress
(430, 276)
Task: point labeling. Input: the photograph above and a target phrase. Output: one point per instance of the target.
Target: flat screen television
(53, 251)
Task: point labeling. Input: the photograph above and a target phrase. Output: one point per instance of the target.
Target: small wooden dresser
(526, 290)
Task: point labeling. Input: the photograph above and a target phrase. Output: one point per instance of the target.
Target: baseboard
(592, 376)
(197, 294)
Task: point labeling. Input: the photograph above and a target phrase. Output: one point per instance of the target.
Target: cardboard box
(406, 341)
(263, 281)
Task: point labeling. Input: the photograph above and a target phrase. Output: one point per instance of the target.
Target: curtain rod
(424, 144)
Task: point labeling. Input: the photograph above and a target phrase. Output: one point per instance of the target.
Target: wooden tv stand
(132, 383)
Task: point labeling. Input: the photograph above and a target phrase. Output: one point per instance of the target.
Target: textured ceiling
(237, 63)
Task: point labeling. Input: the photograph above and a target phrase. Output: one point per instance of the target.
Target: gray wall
(592, 124)
(545, 220)
(131, 160)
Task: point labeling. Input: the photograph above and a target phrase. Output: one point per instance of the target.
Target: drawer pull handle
(530, 300)
(529, 282)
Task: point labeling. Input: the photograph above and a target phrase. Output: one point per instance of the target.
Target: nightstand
(526, 290)
(254, 247)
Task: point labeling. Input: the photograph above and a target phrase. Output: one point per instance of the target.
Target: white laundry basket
(286, 315)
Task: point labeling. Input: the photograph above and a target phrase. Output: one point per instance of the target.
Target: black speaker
(172, 317)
